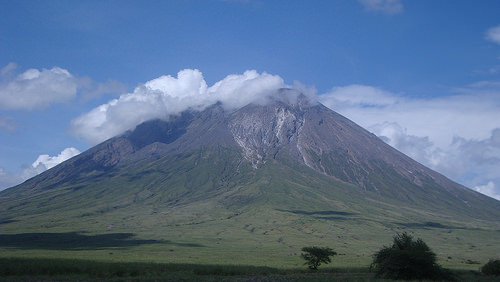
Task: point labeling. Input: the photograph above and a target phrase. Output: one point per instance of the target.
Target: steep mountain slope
(291, 170)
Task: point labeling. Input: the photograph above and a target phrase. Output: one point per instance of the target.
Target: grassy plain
(270, 238)
(194, 210)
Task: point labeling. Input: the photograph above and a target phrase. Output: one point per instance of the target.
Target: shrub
(491, 268)
(314, 256)
(407, 259)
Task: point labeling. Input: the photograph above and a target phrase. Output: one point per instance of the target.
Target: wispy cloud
(8, 69)
(493, 34)
(91, 89)
(390, 7)
(8, 123)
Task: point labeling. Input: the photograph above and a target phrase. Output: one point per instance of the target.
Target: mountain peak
(293, 97)
(290, 130)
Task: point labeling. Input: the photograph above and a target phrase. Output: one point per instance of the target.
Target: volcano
(267, 178)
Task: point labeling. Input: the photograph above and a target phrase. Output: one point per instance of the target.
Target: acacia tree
(314, 256)
(407, 259)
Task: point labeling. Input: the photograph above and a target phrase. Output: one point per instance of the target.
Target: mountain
(266, 178)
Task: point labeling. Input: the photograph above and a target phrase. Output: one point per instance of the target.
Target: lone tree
(314, 256)
(491, 268)
(407, 259)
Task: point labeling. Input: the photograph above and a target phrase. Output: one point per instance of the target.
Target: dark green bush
(408, 259)
(491, 268)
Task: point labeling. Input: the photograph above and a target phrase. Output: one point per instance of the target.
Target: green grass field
(253, 225)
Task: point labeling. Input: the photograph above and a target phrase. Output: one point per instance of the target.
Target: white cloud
(488, 189)
(38, 89)
(457, 135)
(41, 164)
(385, 6)
(167, 95)
(44, 162)
(493, 34)
(34, 88)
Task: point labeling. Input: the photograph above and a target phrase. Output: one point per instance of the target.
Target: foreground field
(194, 209)
(12, 269)
(269, 238)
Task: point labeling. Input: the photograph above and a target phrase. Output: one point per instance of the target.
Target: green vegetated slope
(207, 206)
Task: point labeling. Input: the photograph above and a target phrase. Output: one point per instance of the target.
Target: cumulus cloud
(41, 164)
(493, 34)
(44, 162)
(457, 135)
(385, 6)
(38, 89)
(168, 95)
(34, 88)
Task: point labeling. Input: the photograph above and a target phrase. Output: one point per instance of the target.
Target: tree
(314, 256)
(407, 259)
(491, 268)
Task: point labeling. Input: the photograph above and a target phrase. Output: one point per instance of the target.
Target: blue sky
(422, 75)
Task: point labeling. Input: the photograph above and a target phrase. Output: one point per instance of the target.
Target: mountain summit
(285, 164)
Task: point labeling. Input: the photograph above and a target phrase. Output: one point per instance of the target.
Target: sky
(422, 75)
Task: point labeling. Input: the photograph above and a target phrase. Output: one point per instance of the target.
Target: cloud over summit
(168, 95)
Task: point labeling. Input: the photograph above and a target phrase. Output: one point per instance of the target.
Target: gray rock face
(262, 131)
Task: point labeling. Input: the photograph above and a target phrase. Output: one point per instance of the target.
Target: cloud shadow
(77, 241)
(429, 224)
